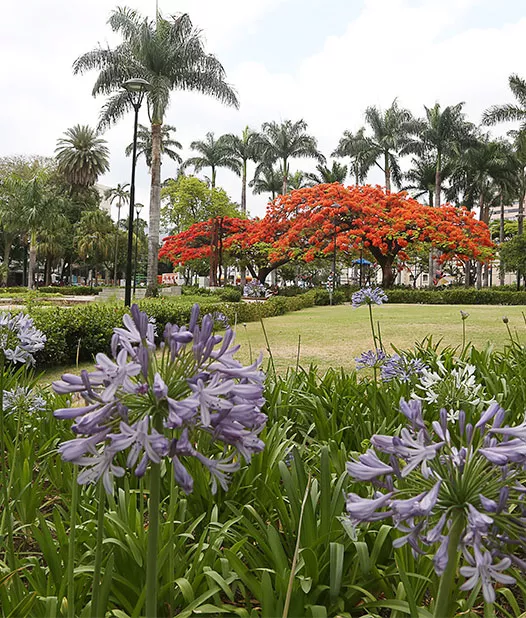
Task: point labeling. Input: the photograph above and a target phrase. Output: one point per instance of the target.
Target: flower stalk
(445, 588)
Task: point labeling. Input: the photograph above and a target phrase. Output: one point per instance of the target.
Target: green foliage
(189, 200)
(323, 297)
(513, 253)
(458, 296)
(78, 333)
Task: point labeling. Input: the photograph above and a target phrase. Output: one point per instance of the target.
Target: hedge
(457, 296)
(81, 332)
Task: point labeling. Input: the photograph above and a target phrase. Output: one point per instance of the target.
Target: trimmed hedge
(457, 296)
(81, 332)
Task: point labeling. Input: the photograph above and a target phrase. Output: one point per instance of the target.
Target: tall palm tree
(489, 169)
(441, 135)
(214, 153)
(144, 144)
(242, 149)
(169, 54)
(356, 147)
(280, 142)
(421, 178)
(82, 156)
(507, 113)
(267, 180)
(122, 195)
(325, 174)
(391, 129)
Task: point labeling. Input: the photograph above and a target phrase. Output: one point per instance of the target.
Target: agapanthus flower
(401, 367)
(371, 358)
(24, 399)
(144, 405)
(451, 388)
(449, 482)
(369, 296)
(254, 289)
(19, 338)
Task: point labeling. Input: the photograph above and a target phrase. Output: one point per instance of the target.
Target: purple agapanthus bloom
(402, 368)
(371, 358)
(23, 399)
(19, 338)
(434, 475)
(368, 296)
(153, 405)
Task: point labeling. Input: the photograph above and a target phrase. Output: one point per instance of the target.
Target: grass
(334, 336)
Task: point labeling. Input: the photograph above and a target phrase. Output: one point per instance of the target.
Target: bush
(322, 297)
(70, 290)
(81, 332)
(457, 296)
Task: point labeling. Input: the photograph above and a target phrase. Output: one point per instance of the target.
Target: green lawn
(334, 336)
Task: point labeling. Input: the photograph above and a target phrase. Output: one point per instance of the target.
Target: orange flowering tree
(318, 220)
(326, 217)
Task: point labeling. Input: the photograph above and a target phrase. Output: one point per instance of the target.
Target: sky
(321, 60)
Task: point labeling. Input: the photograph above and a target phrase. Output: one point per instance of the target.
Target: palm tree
(489, 169)
(297, 180)
(214, 153)
(94, 237)
(242, 149)
(391, 130)
(122, 195)
(507, 113)
(336, 173)
(169, 54)
(356, 146)
(267, 180)
(421, 177)
(441, 135)
(144, 144)
(285, 141)
(82, 156)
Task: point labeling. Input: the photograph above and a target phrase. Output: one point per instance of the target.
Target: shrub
(81, 332)
(70, 290)
(322, 297)
(457, 296)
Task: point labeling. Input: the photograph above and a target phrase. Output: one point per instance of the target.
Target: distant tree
(267, 180)
(94, 237)
(144, 144)
(242, 150)
(82, 156)
(214, 153)
(170, 55)
(121, 195)
(281, 142)
(297, 180)
(356, 147)
(324, 175)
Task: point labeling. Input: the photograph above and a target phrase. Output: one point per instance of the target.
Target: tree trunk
(243, 269)
(213, 179)
(117, 243)
(388, 275)
(467, 273)
(48, 271)
(4, 274)
(285, 177)
(502, 266)
(214, 236)
(482, 217)
(32, 260)
(155, 213)
(387, 171)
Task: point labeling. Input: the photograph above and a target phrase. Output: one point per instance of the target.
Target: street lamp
(138, 208)
(136, 89)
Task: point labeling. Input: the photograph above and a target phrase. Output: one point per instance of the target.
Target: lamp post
(333, 284)
(138, 208)
(136, 89)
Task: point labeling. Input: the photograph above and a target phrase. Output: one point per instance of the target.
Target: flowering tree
(354, 218)
(317, 220)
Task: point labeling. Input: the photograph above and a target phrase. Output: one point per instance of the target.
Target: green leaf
(336, 552)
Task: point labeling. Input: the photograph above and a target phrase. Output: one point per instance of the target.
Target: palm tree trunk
(387, 170)
(285, 177)
(47, 280)
(243, 269)
(213, 181)
(117, 243)
(502, 267)
(155, 213)
(8, 240)
(482, 217)
(32, 260)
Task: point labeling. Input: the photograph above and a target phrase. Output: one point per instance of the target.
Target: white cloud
(410, 49)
